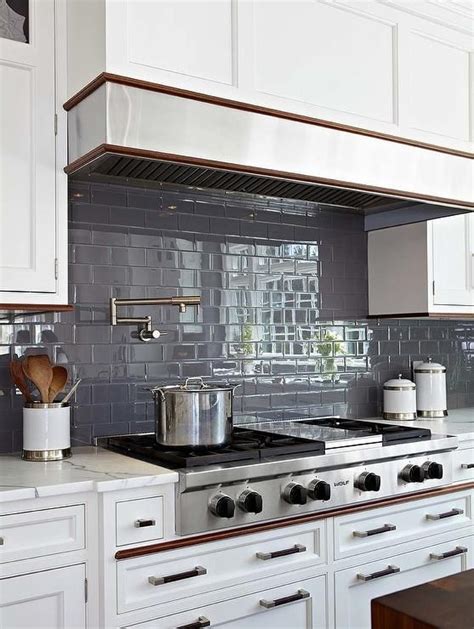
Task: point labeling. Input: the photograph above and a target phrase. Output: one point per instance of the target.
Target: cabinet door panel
(27, 156)
(452, 261)
(353, 594)
(50, 599)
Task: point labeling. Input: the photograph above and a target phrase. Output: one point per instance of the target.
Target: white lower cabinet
(299, 605)
(49, 599)
(356, 587)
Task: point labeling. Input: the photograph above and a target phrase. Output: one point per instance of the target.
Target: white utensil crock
(46, 432)
(430, 381)
(399, 399)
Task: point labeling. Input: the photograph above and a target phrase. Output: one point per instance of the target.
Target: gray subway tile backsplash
(284, 302)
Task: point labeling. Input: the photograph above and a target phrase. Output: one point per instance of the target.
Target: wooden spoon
(58, 382)
(38, 369)
(18, 377)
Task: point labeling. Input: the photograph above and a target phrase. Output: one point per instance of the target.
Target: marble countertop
(459, 422)
(89, 469)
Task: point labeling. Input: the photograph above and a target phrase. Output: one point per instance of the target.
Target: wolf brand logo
(341, 483)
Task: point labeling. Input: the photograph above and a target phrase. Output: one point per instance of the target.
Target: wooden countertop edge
(260, 527)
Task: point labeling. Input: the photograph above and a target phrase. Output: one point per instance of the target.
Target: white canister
(399, 399)
(430, 381)
(46, 432)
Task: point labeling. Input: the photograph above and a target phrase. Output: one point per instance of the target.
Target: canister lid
(399, 384)
(430, 367)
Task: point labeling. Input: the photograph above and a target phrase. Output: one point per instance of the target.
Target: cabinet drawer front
(39, 533)
(356, 587)
(360, 533)
(139, 520)
(301, 604)
(463, 465)
(178, 574)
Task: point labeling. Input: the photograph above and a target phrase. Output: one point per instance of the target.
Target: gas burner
(246, 445)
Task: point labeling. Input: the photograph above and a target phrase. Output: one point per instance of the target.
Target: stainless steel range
(280, 469)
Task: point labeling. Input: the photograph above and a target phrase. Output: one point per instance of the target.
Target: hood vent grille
(154, 171)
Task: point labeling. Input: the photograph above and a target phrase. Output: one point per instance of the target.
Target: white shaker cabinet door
(27, 149)
(453, 260)
(51, 599)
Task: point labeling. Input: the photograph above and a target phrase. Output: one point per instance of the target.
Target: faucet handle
(150, 335)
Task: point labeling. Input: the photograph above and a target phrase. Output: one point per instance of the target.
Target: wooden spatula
(58, 382)
(18, 377)
(38, 369)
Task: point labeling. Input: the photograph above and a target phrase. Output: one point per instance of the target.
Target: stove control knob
(432, 469)
(367, 481)
(222, 506)
(319, 490)
(412, 474)
(295, 494)
(250, 501)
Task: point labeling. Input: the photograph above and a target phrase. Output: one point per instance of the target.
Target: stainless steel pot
(194, 414)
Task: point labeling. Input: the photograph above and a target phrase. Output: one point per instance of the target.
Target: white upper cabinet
(425, 268)
(390, 66)
(29, 225)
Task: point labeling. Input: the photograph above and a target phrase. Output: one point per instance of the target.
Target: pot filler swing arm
(144, 324)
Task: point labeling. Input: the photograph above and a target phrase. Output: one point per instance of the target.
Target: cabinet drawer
(39, 533)
(463, 465)
(377, 528)
(300, 605)
(356, 587)
(178, 574)
(139, 520)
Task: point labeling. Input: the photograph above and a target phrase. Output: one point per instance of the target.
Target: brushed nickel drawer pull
(459, 550)
(301, 594)
(198, 571)
(467, 466)
(202, 621)
(297, 548)
(442, 516)
(142, 523)
(382, 529)
(2, 541)
(377, 575)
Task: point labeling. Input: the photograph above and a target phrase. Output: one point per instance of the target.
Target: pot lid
(430, 367)
(399, 384)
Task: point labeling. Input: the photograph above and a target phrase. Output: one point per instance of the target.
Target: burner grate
(246, 445)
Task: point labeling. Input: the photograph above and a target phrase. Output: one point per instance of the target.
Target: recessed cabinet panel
(452, 260)
(27, 157)
(324, 55)
(187, 37)
(52, 599)
(435, 84)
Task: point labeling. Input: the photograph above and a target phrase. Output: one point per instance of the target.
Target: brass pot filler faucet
(145, 328)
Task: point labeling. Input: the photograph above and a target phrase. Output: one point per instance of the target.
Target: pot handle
(158, 391)
(198, 379)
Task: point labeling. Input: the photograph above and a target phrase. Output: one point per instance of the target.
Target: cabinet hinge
(56, 269)
(86, 590)
(55, 124)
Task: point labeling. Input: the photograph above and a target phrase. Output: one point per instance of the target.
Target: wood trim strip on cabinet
(227, 102)
(268, 526)
(36, 308)
(428, 315)
(207, 163)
